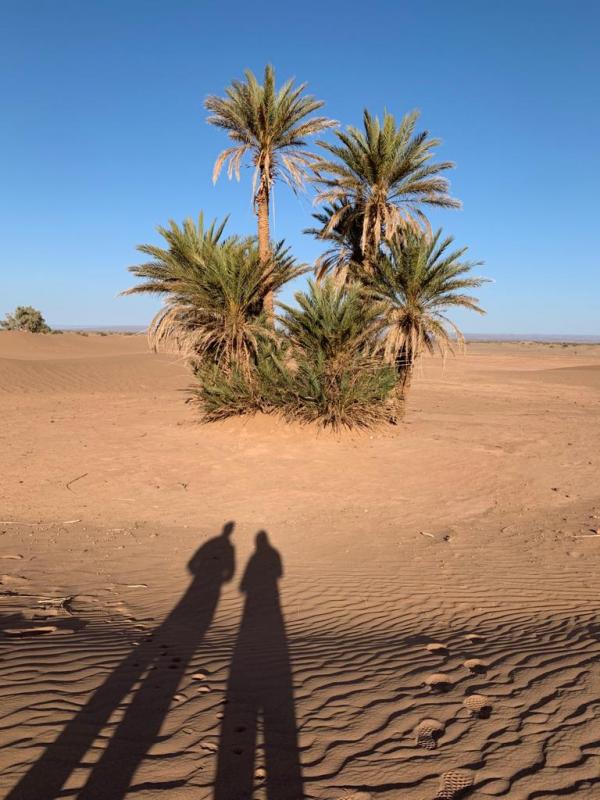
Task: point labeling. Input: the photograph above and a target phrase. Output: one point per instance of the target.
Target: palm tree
(416, 279)
(344, 258)
(215, 291)
(383, 175)
(269, 127)
(335, 378)
(335, 320)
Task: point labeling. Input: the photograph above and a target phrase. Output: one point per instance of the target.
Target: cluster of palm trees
(345, 354)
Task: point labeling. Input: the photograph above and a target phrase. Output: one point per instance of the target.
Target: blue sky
(103, 137)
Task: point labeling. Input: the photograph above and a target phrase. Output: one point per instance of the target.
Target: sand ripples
(507, 699)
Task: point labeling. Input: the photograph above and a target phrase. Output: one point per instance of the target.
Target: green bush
(25, 318)
(320, 371)
(215, 288)
(221, 394)
(353, 394)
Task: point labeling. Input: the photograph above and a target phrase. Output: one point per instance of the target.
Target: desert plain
(255, 609)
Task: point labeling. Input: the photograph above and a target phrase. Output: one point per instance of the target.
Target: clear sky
(103, 136)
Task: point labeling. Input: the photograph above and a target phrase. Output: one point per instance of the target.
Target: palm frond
(383, 173)
(268, 126)
(416, 279)
(214, 291)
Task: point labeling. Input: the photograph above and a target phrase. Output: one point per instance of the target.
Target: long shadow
(159, 663)
(260, 689)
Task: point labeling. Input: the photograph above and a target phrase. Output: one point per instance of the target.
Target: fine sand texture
(255, 610)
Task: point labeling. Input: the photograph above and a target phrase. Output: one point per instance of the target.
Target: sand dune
(421, 620)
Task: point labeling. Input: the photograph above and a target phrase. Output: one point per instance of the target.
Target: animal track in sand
(427, 732)
(454, 784)
(438, 682)
(478, 705)
(476, 666)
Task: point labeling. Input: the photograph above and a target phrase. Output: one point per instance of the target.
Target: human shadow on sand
(260, 693)
(159, 663)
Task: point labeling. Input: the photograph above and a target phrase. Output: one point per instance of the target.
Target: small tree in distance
(25, 318)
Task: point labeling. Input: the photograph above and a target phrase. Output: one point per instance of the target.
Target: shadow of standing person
(260, 683)
(159, 663)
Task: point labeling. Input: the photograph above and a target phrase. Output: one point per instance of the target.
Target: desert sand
(251, 609)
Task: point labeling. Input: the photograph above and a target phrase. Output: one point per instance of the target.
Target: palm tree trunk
(397, 401)
(370, 247)
(405, 380)
(404, 365)
(264, 245)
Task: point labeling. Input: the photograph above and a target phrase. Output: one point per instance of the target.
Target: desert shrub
(336, 379)
(352, 393)
(320, 369)
(25, 318)
(222, 393)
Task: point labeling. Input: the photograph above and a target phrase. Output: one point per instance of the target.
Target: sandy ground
(422, 614)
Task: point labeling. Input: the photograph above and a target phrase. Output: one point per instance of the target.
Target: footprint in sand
(427, 733)
(476, 666)
(454, 784)
(437, 649)
(438, 682)
(478, 705)
(14, 582)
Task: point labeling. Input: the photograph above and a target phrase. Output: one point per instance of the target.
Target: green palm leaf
(382, 175)
(215, 289)
(416, 279)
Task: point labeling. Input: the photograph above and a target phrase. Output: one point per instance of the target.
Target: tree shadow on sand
(259, 690)
(159, 663)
